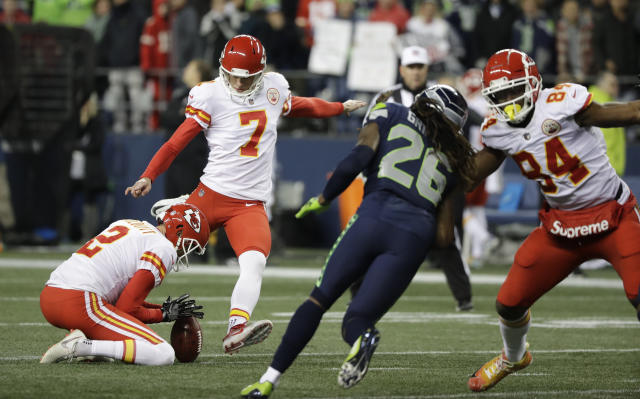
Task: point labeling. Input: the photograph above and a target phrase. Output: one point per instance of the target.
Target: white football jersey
(107, 262)
(241, 136)
(569, 162)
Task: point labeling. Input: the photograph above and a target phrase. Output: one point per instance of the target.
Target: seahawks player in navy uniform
(412, 158)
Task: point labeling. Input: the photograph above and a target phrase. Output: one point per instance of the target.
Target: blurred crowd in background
(146, 55)
(143, 46)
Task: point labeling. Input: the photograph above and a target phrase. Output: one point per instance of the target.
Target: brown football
(186, 339)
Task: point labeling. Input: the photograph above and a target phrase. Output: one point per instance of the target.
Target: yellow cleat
(495, 370)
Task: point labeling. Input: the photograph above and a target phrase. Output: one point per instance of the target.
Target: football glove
(312, 205)
(173, 309)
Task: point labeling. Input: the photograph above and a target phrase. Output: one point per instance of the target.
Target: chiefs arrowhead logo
(193, 218)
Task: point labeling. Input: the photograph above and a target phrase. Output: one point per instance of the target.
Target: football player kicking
(589, 212)
(238, 113)
(99, 292)
(412, 158)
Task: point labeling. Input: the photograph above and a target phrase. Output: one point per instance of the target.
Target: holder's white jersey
(241, 135)
(568, 161)
(107, 262)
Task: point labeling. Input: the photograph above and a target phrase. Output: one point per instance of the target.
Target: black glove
(181, 307)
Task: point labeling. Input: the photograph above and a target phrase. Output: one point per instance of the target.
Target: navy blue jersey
(406, 163)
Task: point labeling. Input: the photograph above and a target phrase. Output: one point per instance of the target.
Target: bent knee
(510, 313)
(165, 355)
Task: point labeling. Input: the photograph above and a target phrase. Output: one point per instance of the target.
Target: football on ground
(186, 339)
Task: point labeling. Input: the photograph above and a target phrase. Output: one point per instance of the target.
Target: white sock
(272, 375)
(145, 353)
(247, 289)
(89, 347)
(514, 337)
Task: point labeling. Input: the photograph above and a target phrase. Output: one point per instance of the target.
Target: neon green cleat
(257, 390)
(356, 364)
(493, 371)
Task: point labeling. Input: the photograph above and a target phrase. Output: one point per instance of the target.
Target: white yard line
(381, 353)
(273, 271)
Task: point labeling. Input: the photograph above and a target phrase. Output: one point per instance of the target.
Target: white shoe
(63, 350)
(160, 207)
(244, 334)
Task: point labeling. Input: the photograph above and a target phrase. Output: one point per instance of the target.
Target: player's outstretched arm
(139, 188)
(352, 105)
(486, 162)
(610, 114)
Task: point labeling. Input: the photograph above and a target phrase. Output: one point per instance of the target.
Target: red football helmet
(511, 84)
(188, 230)
(243, 56)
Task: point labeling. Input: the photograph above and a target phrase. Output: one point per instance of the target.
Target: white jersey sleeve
(199, 106)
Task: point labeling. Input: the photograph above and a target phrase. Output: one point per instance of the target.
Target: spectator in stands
(154, 56)
(311, 11)
(120, 52)
(598, 9)
(391, 11)
(97, 22)
(606, 90)
(533, 33)
(12, 14)
(428, 29)
(185, 171)
(89, 182)
(218, 25)
(615, 42)
(282, 41)
(493, 29)
(573, 42)
(185, 35)
(589, 212)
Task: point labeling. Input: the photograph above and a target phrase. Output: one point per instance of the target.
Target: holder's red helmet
(243, 56)
(188, 230)
(511, 84)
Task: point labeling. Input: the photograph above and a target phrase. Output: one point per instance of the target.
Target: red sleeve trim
(198, 113)
(586, 103)
(313, 107)
(169, 150)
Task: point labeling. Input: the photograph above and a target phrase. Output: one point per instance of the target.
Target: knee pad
(510, 313)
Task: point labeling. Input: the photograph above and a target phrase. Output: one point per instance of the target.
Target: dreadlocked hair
(445, 138)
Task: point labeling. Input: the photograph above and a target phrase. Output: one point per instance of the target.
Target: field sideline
(585, 340)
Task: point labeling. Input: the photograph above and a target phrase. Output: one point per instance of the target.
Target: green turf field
(585, 340)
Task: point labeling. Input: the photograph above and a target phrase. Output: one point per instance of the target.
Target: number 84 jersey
(241, 135)
(569, 162)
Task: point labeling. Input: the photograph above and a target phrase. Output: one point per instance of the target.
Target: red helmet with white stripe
(188, 230)
(243, 56)
(511, 84)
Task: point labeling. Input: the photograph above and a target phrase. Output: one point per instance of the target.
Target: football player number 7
(92, 246)
(250, 148)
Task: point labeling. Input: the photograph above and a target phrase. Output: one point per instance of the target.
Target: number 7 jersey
(241, 135)
(569, 162)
